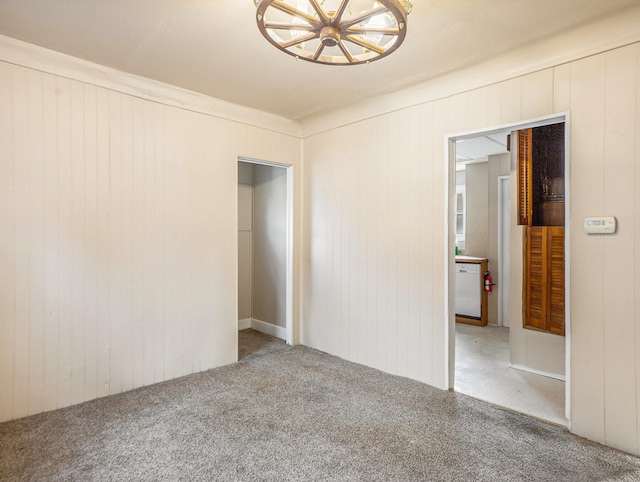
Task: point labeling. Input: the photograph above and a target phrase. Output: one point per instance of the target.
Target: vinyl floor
(482, 371)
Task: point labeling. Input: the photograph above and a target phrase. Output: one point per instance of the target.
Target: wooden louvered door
(544, 280)
(535, 292)
(555, 259)
(525, 182)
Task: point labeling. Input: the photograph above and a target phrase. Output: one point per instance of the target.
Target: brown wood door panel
(535, 302)
(544, 279)
(556, 280)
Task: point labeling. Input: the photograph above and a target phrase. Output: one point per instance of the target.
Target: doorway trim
(502, 224)
(289, 274)
(449, 238)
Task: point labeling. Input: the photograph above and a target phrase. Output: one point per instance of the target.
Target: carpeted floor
(298, 414)
(254, 343)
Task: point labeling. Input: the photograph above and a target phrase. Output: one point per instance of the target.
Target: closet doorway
(265, 259)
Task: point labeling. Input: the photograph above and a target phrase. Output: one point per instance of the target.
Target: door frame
(289, 273)
(449, 238)
(502, 224)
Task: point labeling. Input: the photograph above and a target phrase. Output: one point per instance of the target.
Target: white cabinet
(470, 296)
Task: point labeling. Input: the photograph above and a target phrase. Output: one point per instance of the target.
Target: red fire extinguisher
(488, 282)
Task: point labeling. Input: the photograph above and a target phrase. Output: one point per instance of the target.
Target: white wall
(477, 191)
(268, 300)
(118, 238)
(245, 238)
(376, 223)
(498, 165)
(374, 234)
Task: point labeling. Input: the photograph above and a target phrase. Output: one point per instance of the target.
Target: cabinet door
(543, 280)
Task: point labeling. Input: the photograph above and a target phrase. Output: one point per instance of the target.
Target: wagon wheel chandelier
(334, 32)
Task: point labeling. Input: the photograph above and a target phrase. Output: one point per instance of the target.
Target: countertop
(470, 259)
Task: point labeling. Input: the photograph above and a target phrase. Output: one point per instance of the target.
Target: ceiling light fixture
(334, 32)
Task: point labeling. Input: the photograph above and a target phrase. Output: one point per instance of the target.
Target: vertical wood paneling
(224, 228)
(114, 241)
(404, 212)
(411, 356)
(78, 251)
(137, 332)
(537, 94)
(562, 88)
(172, 315)
(373, 255)
(337, 268)
(345, 240)
(148, 255)
(636, 246)
(395, 157)
(116, 244)
(618, 181)
(90, 217)
(65, 243)
(355, 259)
(51, 242)
(512, 100)
(494, 105)
(588, 101)
(437, 261)
(124, 130)
(7, 243)
(36, 241)
(381, 233)
(102, 250)
(428, 117)
(159, 239)
(363, 247)
(22, 223)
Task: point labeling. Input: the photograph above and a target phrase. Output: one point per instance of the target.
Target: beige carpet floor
(298, 414)
(254, 343)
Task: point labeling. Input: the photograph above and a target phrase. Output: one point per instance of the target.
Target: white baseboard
(264, 327)
(244, 324)
(538, 372)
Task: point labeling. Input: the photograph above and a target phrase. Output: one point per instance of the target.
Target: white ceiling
(478, 149)
(214, 46)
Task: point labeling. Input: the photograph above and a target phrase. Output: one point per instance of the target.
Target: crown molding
(34, 57)
(612, 32)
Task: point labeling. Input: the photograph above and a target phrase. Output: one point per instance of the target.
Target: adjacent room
(495, 361)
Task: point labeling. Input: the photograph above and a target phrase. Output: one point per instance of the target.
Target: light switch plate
(600, 225)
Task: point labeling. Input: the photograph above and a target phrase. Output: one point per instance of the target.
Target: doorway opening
(265, 256)
(489, 360)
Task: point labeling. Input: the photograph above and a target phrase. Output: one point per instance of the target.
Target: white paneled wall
(118, 239)
(269, 246)
(371, 251)
(376, 219)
